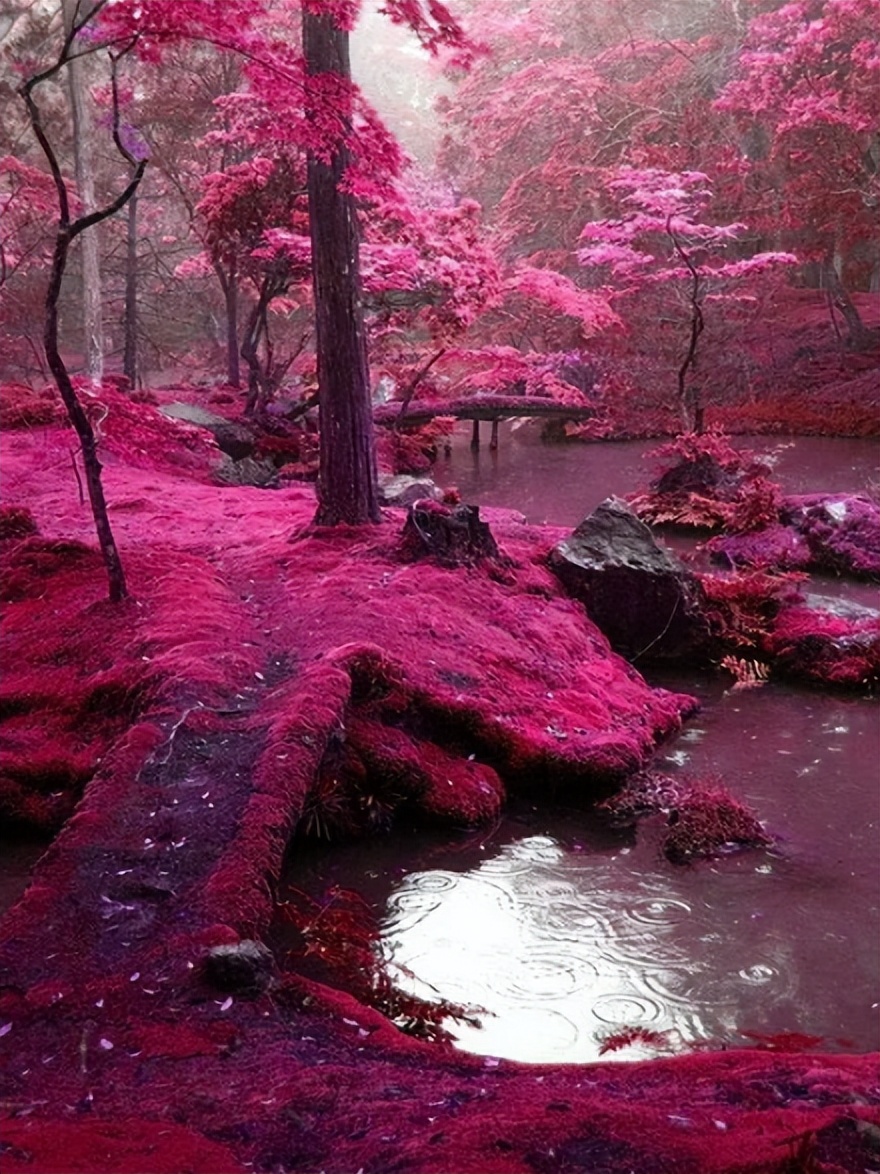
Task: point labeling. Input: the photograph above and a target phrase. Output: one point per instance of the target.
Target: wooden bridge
(492, 408)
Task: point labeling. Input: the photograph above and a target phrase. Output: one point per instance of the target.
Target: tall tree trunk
(250, 352)
(84, 169)
(230, 294)
(81, 422)
(347, 479)
(860, 337)
(130, 350)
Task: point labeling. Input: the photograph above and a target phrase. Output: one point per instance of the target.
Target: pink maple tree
(667, 268)
(807, 94)
(307, 89)
(26, 210)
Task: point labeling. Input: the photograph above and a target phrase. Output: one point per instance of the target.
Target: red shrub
(702, 818)
(708, 820)
(625, 1037)
(16, 522)
(23, 407)
(742, 607)
(826, 648)
(706, 483)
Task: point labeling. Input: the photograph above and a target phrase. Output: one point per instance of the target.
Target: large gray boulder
(637, 592)
(234, 439)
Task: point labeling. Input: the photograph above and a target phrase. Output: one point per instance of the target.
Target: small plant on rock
(703, 819)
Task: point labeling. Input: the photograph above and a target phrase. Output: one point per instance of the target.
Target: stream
(565, 930)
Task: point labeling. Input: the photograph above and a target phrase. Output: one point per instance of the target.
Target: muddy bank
(272, 673)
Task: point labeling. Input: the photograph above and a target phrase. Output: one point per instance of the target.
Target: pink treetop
(660, 244)
(809, 78)
(660, 216)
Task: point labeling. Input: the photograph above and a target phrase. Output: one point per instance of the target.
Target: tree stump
(454, 535)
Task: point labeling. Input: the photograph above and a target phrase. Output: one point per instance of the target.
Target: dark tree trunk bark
(250, 353)
(66, 231)
(690, 406)
(860, 337)
(230, 293)
(347, 479)
(81, 422)
(130, 349)
(73, 12)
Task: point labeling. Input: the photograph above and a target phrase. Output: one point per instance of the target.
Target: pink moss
(826, 647)
(23, 407)
(265, 639)
(703, 819)
(708, 821)
(123, 1144)
(776, 547)
(449, 788)
(16, 522)
(79, 670)
(742, 607)
(841, 531)
(140, 435)
(63, 699)
(764, 618)
(302, 717)
(518, 678)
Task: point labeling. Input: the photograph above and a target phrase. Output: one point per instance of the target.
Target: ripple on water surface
(565, 931)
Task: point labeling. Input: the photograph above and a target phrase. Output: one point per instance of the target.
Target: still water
(560, 484)
(565, 929)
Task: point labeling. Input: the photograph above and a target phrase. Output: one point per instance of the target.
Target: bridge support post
(475, 435)
(493, 443)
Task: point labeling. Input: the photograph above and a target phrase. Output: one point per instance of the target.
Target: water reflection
(568, 930)
(561, 484)
(576, 947)
(565, 939)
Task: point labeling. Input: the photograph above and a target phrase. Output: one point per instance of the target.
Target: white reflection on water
(560, 954)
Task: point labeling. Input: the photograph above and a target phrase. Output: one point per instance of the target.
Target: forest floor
(264, 673)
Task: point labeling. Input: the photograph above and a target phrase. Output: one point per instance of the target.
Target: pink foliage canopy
(661, 214)
(809, 76)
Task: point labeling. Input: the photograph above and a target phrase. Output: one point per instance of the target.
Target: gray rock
(845, 609)
(247, 967)
(192, 414)
(247, 471)
(636, 591)
(403, 490)
(235, 439)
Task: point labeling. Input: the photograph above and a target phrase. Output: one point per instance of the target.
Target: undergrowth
(741, 607)
(705, 483)
(342, 933)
